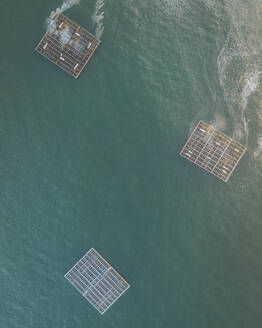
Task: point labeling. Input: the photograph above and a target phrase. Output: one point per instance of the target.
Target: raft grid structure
(68, 45)
(97, 281)
(213, 151)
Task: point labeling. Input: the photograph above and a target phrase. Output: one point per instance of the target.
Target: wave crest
(65, 5)
(98, 17)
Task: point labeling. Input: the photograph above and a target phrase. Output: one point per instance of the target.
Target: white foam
(240, 130)
(78, 46)
(177, 7)
(219, 122)
(211, 4)
(98, 17)
(238, 62)
(65, 36)
(258, 150)
(52, 27)
(65, 5)
(251, 83)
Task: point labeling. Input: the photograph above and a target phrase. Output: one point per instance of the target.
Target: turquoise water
(94, 162)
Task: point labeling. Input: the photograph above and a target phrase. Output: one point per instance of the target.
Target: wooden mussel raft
(97, 281)
(68, 45)
(213, 151)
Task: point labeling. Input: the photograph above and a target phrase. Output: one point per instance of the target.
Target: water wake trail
(65, 5)
(173, 7)
(251, 84)
(258, 150)
(238, 64)
(98, 17)
(219, 122)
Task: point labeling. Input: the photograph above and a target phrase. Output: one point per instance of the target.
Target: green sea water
(95, 162)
